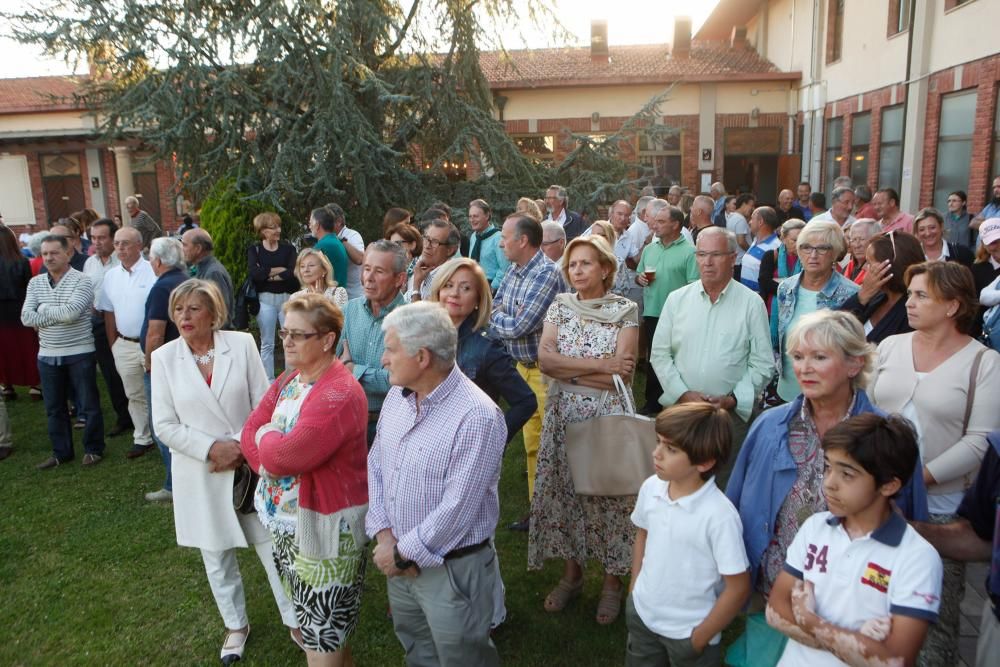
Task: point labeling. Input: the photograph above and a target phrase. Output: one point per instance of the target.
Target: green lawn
(90, 574)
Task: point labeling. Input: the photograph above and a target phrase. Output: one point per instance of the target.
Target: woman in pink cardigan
(307, 440)
(946, 383)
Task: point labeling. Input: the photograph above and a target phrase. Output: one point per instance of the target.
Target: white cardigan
(188, 416)
(940, 398)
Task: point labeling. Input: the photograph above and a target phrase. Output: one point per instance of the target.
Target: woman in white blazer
(205, 384)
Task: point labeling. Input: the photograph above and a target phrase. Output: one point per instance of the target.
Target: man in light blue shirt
(484, 246)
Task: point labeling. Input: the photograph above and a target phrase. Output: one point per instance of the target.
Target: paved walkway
(972, 609)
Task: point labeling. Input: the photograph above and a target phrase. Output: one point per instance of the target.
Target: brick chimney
(738, 39)
(599, 41)
(682, 37)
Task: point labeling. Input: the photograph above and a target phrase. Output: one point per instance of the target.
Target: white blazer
(188, 416)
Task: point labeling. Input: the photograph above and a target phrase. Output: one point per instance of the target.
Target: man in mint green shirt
(323, 225)
(713, 342)
(669, 259)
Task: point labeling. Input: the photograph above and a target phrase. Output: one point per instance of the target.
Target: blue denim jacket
(835, 292)
(764, 473)
(485, 361)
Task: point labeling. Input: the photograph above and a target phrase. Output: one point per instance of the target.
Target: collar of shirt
(769, 239)
(805, 414)
(398, 301)
(889, 533)
(438, 394)
(995, 264)
(684, 502)
(722, 294)
(561, 219)
(521, 271)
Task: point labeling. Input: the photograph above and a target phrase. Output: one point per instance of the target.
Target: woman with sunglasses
(880, 304)
(820, 245)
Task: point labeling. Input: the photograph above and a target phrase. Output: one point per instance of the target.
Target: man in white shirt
(557, 201)
(355, 247)
(102, 240)
(736, 222)
(123, 301)
(841, 205)
(625, 249)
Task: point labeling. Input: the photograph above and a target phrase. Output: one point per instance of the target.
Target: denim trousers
(168, 483)
(270, 316)
(58, 374)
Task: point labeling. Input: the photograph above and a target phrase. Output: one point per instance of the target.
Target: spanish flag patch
(877, 577)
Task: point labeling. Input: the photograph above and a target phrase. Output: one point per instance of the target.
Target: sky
(629, 22)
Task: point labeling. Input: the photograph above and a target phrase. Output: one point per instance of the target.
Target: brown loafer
(137, 451)
(49, 463)
(91, 459)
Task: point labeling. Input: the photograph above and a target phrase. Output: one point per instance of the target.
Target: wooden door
(63, 195)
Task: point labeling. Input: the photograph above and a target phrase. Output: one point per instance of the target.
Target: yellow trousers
(532, 431)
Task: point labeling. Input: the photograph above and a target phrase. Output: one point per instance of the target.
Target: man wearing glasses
(441, 241)
(557, 200)
(713, 342)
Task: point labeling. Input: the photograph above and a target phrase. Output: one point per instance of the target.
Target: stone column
(123, 170)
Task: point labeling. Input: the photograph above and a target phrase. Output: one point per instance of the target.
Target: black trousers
(653, 388)
(106, 362)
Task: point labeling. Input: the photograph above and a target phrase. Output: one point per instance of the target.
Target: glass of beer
(650, 274)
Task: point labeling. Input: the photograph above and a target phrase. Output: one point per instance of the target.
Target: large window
(537, 146)
(834, 155)
(660, 154)
(861, 138)
(899, 16)
(835, 31)
(15, 191)
(954, 151)
(890, 155)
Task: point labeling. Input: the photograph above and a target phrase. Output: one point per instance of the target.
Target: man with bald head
(787, 209)
(701, 215)
(123, 302)
(198, 248)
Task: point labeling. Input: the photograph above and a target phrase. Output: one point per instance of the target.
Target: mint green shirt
(805, 303)
(714, 348)
(675, 268)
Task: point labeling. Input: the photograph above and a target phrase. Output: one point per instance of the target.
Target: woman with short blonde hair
(315, 274)
(528, 206)
(605, 257)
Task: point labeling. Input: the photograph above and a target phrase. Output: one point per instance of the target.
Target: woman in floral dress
(588, 338)
(307, 440)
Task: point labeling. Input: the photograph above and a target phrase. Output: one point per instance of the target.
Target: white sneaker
(161, 496)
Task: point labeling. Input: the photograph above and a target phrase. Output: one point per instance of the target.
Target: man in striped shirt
(58, 304)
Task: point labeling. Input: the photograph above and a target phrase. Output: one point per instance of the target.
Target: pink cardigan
(327, 447)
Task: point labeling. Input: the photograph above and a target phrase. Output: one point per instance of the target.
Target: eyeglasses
(806, 249)
(434, 243)
(551, 242)
(297, 336)
(717, 254)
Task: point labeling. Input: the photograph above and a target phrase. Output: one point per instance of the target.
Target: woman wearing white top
(315, 274)
(926, 376)
(205, 385)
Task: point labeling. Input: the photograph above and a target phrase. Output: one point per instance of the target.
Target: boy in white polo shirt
(689, 566)
(860, 586)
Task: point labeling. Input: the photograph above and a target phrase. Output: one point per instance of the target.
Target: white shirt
(826, 215)
(561, 219)
(890, 571)
(353, 286)
(691, 543)
(124, 293)
(737, 224)
(97, 269)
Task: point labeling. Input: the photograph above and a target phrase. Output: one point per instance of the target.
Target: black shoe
(137, 451)
(80, 424)
(5, 452)
(521, 525)
(119, 429)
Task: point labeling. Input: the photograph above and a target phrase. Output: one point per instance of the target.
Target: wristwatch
(400, 563)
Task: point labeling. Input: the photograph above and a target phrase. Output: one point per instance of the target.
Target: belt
(373, 416)
(529, 364)
(128, 338)
(465, 551)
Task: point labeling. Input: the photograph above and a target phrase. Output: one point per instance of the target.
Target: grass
(90, 573)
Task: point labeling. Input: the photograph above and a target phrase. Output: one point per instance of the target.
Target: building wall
(964, 33)
(533, 104)
(870, 60)
(46, 122)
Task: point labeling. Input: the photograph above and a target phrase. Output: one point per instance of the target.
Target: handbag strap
(971, 393)
(623, 394)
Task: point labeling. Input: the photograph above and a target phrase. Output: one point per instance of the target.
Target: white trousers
(227, 586)
(130, 362)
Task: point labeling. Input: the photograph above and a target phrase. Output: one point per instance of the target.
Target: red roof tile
(653, 63)
(34, 94)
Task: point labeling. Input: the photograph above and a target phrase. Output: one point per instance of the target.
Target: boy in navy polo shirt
(689, 566)
(860, 586)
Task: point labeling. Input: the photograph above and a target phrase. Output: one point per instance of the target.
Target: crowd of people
(819, 443)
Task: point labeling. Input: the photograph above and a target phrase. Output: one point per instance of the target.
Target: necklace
(204, 359)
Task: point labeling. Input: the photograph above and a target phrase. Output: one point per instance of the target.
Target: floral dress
(326, 593)
(563, 524)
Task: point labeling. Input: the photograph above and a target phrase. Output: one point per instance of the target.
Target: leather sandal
(563, 594)
(609, 605)
(235, 642)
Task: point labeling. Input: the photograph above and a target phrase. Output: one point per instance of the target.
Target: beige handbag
(611, 455)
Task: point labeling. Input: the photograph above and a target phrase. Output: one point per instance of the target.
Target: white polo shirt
(124, 293)
(890, 571)
(96, 270)
(351, 237)
(691, 543)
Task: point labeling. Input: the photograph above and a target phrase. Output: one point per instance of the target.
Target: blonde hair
(604, 229)
(529, 208)
(329, 281)
(448, 271)
(264, 221)
(605, 257)
(208, 292)
(835, 331)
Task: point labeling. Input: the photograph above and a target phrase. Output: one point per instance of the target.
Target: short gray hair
(655, 206)
(35, 242)
(554, 230)
(397, 251)
(131, 200)
(791, 225)
(424, 325)
(169, 251)
(871, 224)
(718, 188)
(643, 202)
(840, 191)
(827, 232)
(560, 192)
(835, 331)
(715, 230)
(843, 182)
